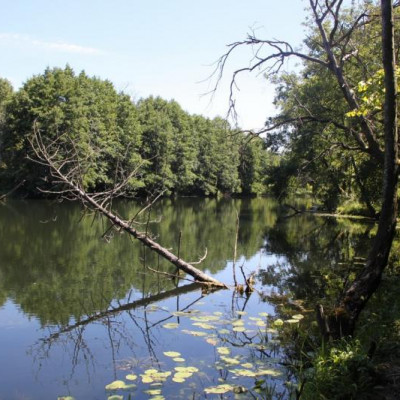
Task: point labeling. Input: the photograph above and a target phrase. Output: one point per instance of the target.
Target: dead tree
(66, 170)
(335, 50)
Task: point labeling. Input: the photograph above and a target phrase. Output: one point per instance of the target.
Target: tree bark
(362, 288)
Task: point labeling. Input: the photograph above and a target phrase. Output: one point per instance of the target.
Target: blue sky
(149, 47)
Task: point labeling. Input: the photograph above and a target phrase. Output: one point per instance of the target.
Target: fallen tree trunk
(68, 174)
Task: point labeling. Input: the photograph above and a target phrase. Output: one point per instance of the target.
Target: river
(84, 315)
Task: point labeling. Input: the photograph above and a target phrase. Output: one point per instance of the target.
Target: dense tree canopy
(169, 149)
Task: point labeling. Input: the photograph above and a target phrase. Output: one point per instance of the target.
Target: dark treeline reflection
(318, 255)
(56, 266)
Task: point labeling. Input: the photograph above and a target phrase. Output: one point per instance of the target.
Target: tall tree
(340, 52)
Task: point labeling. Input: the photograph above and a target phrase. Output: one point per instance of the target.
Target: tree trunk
(342, 321)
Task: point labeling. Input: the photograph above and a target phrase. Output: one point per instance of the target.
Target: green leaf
(220, 389)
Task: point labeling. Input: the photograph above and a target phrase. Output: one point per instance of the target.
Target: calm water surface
(80, 309)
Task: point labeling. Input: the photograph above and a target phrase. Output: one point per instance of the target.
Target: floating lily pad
(113, 397)
(220, 389)
(186, 369)
(152, 375)
(194, 333)
(278, 322)
(212, 341)
(224, 350)
(171, 325)
(178, 359)
(205, 318)
(203, 325)
(244, 372)
(153, 392)
(230, 360)
(172, 354)
(224, 331)
(131, 377)
(270, 372)
(119, 385)
(292, 321)
(239, 329)
(241, 312)
(263, 314)
(247, 365)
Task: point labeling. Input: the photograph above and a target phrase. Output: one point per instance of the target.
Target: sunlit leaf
(203, 325)
(220, 389)
(292, 321)
(119, 385)
(178, 380)
(171, 325)
(172, 354)
(278, 322)
(153, 392)
(229, 360)
(186, 369)
(298, 316)
(270, 372)
(224, 350)
(131, 377)
(205, 318)
(194, 333)
(244, 372)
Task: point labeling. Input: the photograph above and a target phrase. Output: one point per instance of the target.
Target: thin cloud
(25, 40)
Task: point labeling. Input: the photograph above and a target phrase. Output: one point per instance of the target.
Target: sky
(162, 48)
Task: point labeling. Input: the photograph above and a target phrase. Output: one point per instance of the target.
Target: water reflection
(96, 313)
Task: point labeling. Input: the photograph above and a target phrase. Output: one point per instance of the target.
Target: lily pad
(178, 359)
(220, 389)
(171, 325)
(119, 385)
(203, 325)
(194, 333)
(172, 354)
(131, 377)
(224, 350)
(278, 322)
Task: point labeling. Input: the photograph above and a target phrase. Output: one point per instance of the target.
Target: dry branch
(69, 176)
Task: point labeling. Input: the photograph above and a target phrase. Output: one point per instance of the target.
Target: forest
(330, 152)
(175, 152)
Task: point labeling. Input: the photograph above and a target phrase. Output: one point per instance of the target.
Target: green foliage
(316, 124)
(172, 150)
(340, 372)
(84, 111)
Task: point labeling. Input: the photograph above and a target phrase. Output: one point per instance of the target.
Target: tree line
(170, 150)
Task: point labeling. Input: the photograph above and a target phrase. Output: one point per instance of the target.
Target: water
(80, 309)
